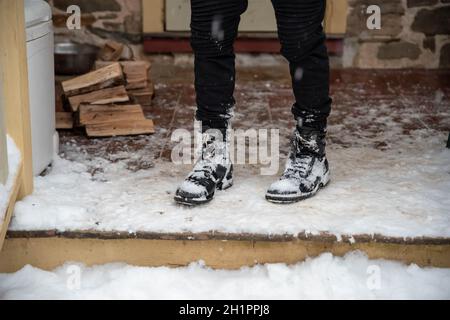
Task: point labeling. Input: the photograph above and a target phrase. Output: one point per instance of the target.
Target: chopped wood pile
(108, 100)
(137, 82)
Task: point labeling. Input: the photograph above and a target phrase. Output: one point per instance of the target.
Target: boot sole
(279, 199)
(192, 202)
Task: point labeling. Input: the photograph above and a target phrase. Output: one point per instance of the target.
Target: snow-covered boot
(213, 171)
(306, 168)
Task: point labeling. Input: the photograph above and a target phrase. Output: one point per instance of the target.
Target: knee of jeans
(295, 50)
(214, 43)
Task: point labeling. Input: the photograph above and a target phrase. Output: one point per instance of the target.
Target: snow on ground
(325, 277)
(401, 192)
(13, 169)
(390, 170)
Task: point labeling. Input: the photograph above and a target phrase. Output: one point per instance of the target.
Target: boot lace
(300, 158)
(298, 167)
(205, 167)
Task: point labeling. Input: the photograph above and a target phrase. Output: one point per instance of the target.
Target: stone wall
(414, 33)
(100, 20)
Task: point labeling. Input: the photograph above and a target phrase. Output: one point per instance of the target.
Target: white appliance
(41, 82)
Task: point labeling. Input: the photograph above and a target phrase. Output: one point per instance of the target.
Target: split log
(64, 120)
(59, 101)
(129, 67)
(111, 51)
(136, 84)
(136, 72)
(94, 80)
(143, 96)
(116, 128)
(103, 96)
(98, 114)
(127, 53)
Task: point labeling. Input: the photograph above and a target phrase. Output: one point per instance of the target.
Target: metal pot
(73, 58)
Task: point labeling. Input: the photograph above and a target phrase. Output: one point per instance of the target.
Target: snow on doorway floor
(390, 169)
(403, 192)
(325, 277)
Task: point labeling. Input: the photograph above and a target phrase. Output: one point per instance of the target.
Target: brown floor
(413, 99)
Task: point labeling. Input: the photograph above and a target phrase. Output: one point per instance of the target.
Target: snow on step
(401, 192)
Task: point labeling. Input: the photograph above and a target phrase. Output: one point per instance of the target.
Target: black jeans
(214, 26)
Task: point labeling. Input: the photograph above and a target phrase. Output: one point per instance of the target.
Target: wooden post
(3, 149)
(14, 82)
(335, 22)
(153, 16)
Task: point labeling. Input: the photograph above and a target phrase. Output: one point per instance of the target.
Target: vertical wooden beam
(153, 16)
(9, 210)
(14, 75)
(335, 22)
(3, 149)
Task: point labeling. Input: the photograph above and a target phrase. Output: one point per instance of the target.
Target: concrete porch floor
(389, 195)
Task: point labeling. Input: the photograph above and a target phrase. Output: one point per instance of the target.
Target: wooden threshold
(180, 43)
(50, 249)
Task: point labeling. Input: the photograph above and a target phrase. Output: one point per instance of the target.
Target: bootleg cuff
(312, 117)
(213, 124)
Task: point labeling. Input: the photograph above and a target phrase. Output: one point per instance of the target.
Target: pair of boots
(306, 170)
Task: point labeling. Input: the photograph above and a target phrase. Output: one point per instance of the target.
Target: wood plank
(48, 252)
(14, 85)
(97, 114)
(11, 203)
(94, 80)
(59, 96)
(102, 96)
(170, 44)
(118, 128)
(3, 147)
(64, 120)
(153, 15)
(335, 22)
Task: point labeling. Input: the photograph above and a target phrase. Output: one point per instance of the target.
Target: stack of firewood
(137, 84)
(108, 100)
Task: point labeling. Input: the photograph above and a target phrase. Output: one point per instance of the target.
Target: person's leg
(303, 45)
(214, 27)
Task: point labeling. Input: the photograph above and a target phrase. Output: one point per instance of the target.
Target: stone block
(88, 6)
(420, 3)
(398, 50)
(432, 22)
